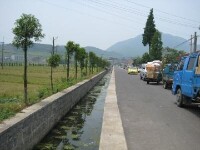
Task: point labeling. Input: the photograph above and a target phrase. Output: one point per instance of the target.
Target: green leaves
(149, 29)
(156, 47)
(27, 29)
(171, 55)
(54, 60)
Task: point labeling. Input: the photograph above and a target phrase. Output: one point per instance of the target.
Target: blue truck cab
(186, 80)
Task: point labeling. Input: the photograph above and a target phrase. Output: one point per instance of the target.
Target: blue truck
(168, 73)
(186, 80)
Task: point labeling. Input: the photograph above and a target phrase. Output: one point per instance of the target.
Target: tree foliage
(92, 58)
(149, 30)
(155, 52)
(27, 29)
(137, 61)
(54, 60)
(145, 58)
(76, 58)
(81, 58)
(171, 55)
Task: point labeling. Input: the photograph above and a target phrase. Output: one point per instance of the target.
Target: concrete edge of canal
(28, 127)
(112, 134)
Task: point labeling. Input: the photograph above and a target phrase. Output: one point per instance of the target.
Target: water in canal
(81, 127)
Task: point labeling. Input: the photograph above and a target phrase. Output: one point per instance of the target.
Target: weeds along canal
(81, 127)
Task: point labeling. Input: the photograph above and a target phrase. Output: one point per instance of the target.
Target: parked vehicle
(133, 70)
(186, 80)
(143, 72)
(168, 73)
(154, 73)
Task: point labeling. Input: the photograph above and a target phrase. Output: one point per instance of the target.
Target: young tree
(81, 59)
(92, 61)
(26, 29)
(149, 30)
(86, 62)
(70, 48)
(53, 61)
(156, 48)
(145, 57)
(76, 58)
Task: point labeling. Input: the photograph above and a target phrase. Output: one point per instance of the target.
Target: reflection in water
(81, 127)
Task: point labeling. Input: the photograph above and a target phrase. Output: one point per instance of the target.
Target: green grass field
(11, 86)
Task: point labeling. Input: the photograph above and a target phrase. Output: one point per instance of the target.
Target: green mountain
(128, 48)
(40, 52)
(102, 53)
(134, 47)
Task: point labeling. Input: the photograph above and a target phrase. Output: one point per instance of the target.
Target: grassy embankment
(11, 86)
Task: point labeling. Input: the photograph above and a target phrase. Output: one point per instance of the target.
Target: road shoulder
(112, 134)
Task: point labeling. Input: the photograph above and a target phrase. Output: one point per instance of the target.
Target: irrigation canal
(81, 127)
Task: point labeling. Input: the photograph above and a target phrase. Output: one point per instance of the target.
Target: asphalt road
(151, 119)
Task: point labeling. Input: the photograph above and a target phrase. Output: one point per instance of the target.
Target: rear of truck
(153, 73)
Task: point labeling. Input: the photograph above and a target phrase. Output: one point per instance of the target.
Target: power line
(116, 11)
(96, 17)
(168, 20)
(163, 12)
(184, 42)
(135, 20)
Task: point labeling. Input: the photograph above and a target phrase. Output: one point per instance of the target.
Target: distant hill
(44, 50)
(134, 47)
(127, 48)
(102, 53)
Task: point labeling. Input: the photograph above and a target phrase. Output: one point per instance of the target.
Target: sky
(101, 23)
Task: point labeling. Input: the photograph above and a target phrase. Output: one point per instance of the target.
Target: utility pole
(191, 45)
(195, 41)
(53, 48)
(2, 53)
(51, 66)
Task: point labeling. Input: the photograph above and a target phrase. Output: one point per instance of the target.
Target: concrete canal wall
(28, 127)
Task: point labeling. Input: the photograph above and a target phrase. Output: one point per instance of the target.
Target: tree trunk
(149, 48)
(76, 69)
(52, 79)
(25, 75)
(86, 69)
(68, 67)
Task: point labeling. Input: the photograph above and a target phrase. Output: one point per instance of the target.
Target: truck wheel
(179, 98)
(165, 85)
(147, 82)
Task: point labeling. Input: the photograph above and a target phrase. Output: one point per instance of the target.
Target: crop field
(12, 88)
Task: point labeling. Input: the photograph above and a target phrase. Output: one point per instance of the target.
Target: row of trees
(28, 29)
(82, 59)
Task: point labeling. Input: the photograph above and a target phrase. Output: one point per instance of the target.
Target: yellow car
(133, 70)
